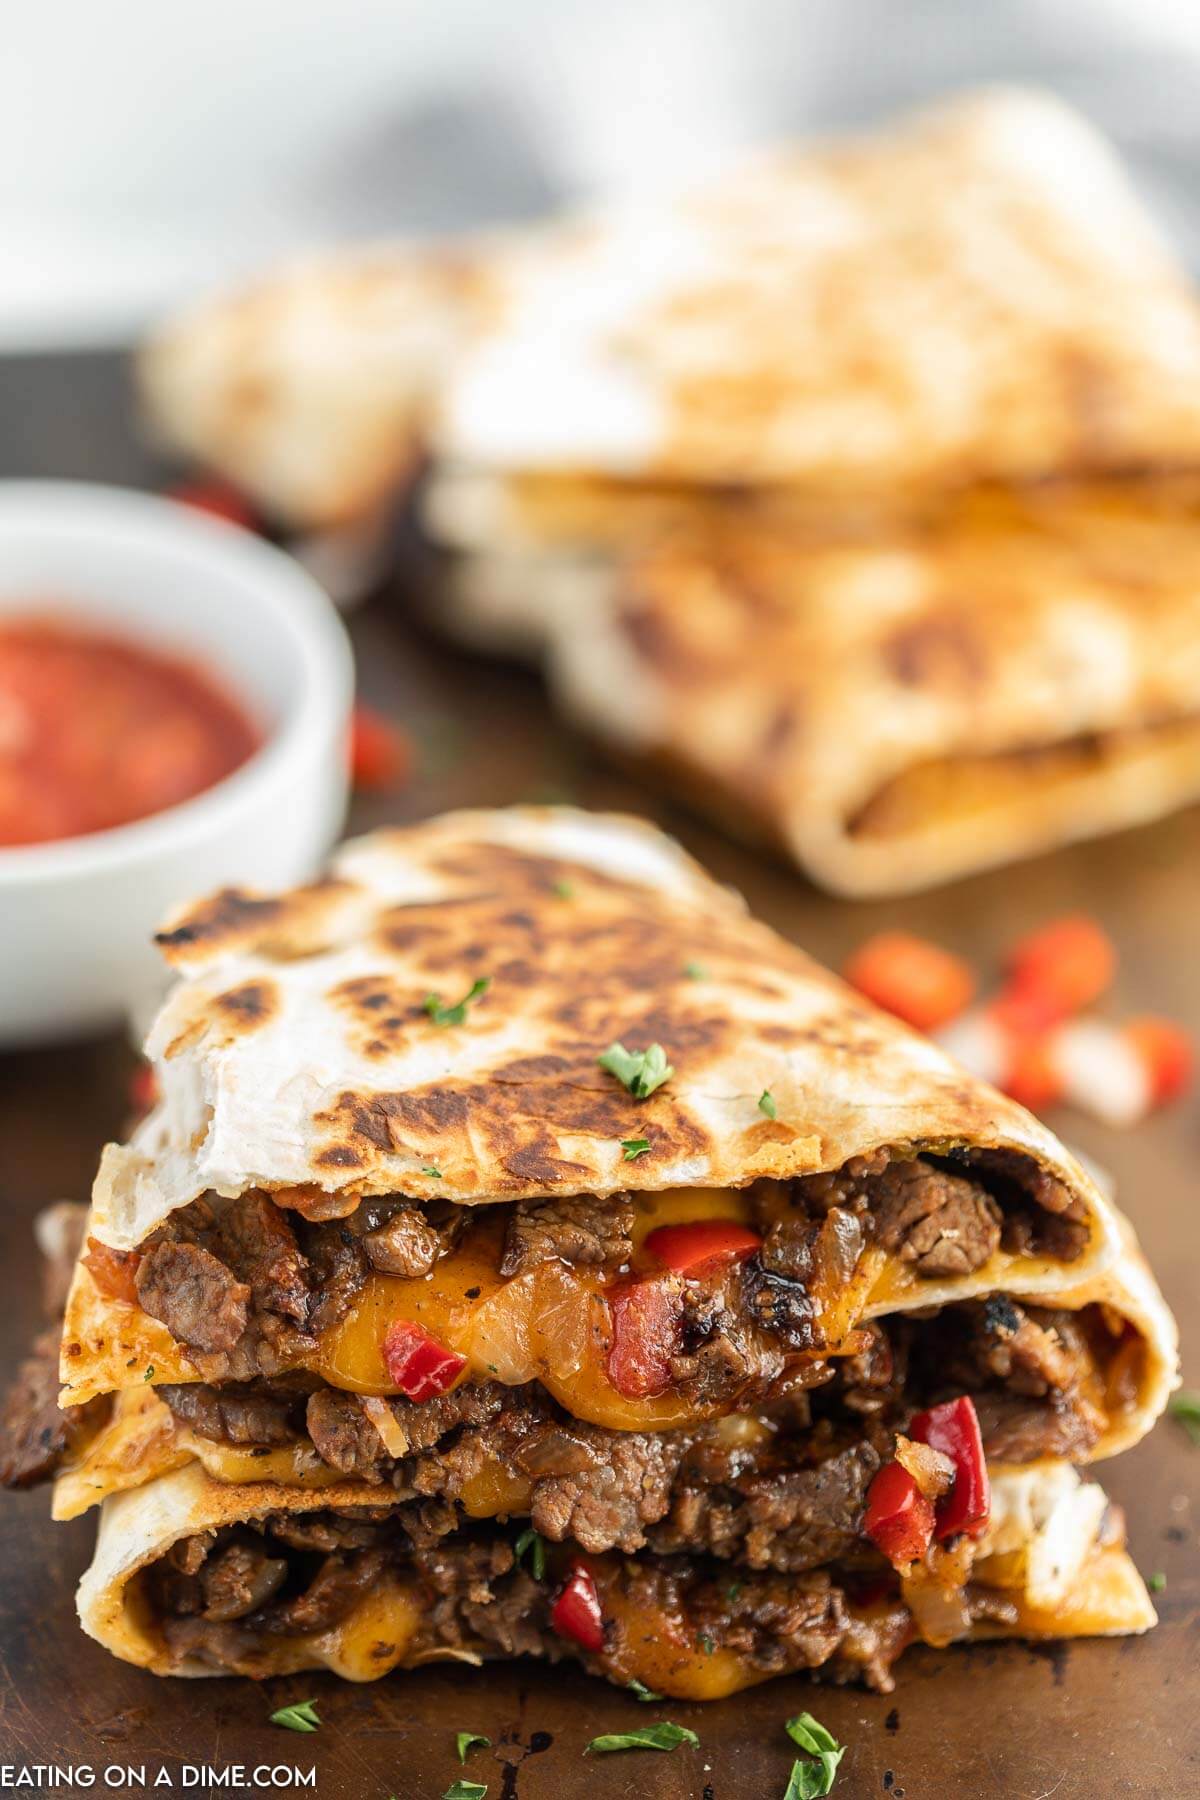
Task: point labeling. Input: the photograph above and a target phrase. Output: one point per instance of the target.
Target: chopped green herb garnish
(149, 1375)
(641, 1071)
(695, 971)
(634, 1147)
(815, 1775)
(733, 1590)
(465, 1741)
(465, 1790)
(641, 1691)
(531, 1540)
(565, 890)
(766, 1103)
(651, 1737)
(1156, 1583)
(706, 1644)
(456, 1014)
(1185, 1407)
(436, 1173)
(301, 1717)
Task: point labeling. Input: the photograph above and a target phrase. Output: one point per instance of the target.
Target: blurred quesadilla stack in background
(530, 1253)
(792, 455)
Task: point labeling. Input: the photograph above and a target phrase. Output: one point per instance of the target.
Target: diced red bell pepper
(1165, 1052)
(220, 498)
(416, 1363)
(1031, 1075)
(917, 981)
(899, 1519)
(113, 1271)
(953, 1428)
(576, 1613)
(686, 1248)
(1056, 971)
(645, 1331)
(380, 752)
(143, 1089)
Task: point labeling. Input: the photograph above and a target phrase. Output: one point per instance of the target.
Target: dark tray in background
(1070, 1721)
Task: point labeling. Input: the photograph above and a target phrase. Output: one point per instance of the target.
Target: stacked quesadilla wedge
(852, 502)
(531, 1253)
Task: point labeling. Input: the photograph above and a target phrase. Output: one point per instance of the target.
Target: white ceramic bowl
(76, 917)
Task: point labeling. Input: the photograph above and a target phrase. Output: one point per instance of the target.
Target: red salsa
(96, 731)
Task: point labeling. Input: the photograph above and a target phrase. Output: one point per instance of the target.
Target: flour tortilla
(974, 293)
(816, 317)
(895, 712)
(297, 1049)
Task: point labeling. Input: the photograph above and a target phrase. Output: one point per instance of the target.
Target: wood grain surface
(1086, 1719)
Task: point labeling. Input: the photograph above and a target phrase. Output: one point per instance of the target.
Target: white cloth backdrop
(147, 148)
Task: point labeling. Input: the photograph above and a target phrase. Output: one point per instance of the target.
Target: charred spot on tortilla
(249, 1006)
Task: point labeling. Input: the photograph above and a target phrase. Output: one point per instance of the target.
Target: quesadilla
(847, 319)
(309, 388)
(531, 1253)
(897, 710)
(974, 294)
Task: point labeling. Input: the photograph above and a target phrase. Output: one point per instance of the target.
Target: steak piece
(406, 1244)
(254, 1237)
(337, 1586)
(945, 1224)
(239, 1579)
(343, 1435)
(233, 1415)
(36, 1434)
(199, 1300)
(579, 1228)
(612, 1503)
(337, 1271)
(790, 1520)
(1019, 1431)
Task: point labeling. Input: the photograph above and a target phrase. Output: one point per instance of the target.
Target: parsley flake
(565, 890)
(456, 1014)
(465, 1742)
(766, 1104)
(695, 971)
(641, 1692)
(664, 1736)
(465, 1790)
(532, 1541)
(641, 1071)
(1185, 1407)
(435, 1173)
(706, 1644)
(814, 1774)
(1156, 1583)
(149, 1375)
(634, 1147)
(301, 1717)
(732, 1591)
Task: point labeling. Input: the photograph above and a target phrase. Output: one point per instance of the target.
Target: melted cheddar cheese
(551, 1324)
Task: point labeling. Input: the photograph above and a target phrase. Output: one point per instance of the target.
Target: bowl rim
(297, 605)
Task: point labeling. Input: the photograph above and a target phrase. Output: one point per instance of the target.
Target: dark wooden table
(1085, 1719)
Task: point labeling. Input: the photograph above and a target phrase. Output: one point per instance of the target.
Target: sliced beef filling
(579, 1228)
(783, 1489)
(945, 1215)
(251, 1286)
(222, 1600)
(1034, 1371)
